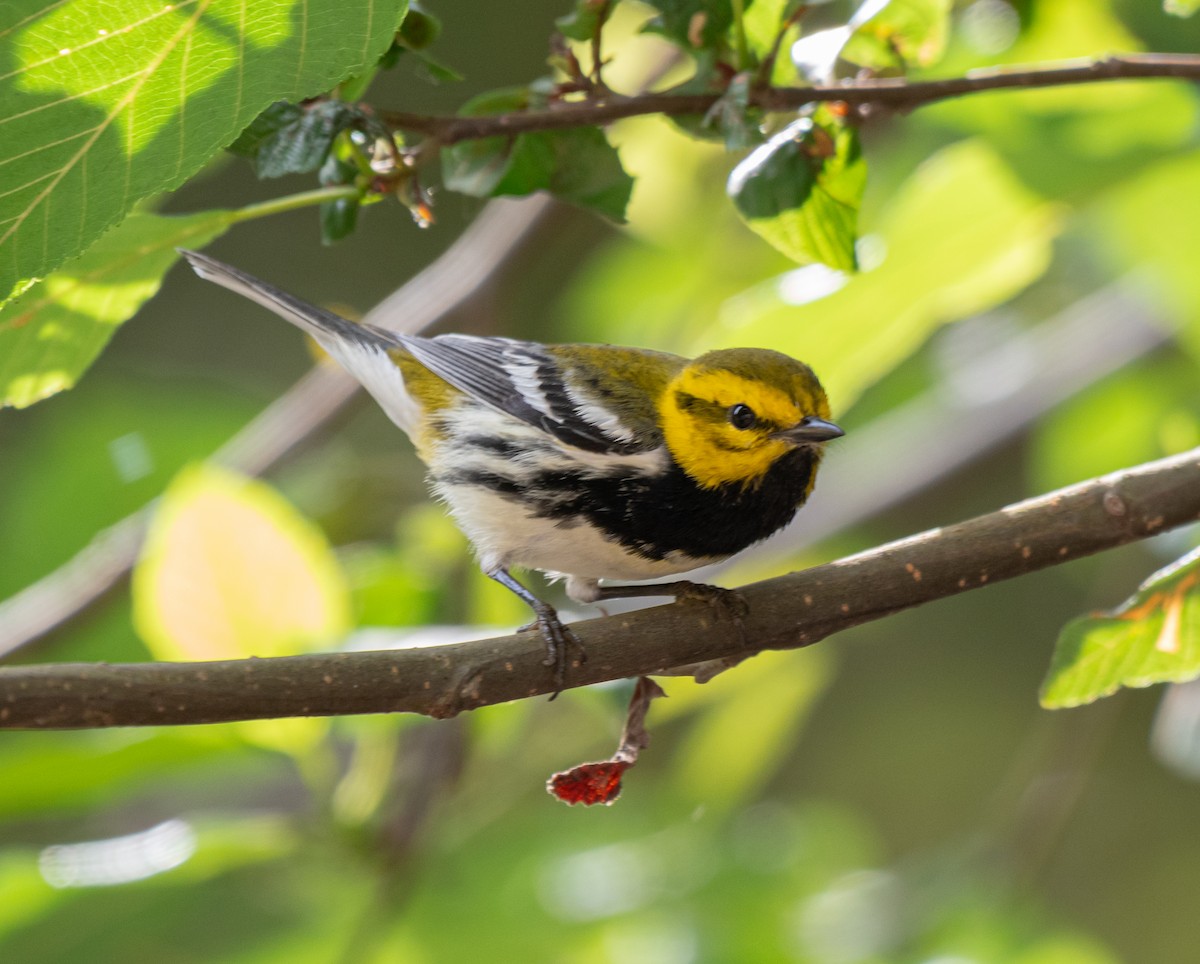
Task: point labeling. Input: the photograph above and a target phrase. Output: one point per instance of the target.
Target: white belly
(505, 535)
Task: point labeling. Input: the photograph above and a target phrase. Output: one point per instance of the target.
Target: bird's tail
(365, 351)
(321, 324)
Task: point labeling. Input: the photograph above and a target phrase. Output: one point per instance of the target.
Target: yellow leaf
(231, 569)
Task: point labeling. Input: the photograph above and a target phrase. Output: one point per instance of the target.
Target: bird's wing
(523, 379)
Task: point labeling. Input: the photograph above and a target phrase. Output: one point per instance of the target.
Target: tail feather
(363, 350)
(318, 322)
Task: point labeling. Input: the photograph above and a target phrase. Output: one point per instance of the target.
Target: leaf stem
(292, 202)
(739, 33)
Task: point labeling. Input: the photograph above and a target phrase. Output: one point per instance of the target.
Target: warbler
(587, 462)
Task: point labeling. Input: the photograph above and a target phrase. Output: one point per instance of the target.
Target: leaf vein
(126, 101)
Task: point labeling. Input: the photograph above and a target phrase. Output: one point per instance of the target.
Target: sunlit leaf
(232, 570)
(1154, 637)
(802, 189)
(904, 33)
(102, 104)
(961, 235)
(50, 334)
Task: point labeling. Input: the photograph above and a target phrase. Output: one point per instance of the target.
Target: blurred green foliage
(891, 796)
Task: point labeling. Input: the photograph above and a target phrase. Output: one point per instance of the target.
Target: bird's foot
(559, 641)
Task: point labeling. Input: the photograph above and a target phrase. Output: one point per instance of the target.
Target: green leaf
(1181, 8)
(585, 20)
(802, 189)
(905, 33)
(289, 139)
(103, 104)
(420, 28)
(475, 167)
(435, 71)
(339, 219)
(231, 569)
(1154, 637)
(692, 23)
(588, 172)
(962, 235)
(576, 164)
(51, 333)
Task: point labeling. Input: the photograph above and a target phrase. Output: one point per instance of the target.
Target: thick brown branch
(893, 92)
(794, 610)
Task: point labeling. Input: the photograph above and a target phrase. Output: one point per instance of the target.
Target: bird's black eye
(742, 416)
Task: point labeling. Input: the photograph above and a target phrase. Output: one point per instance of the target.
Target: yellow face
(722, 415)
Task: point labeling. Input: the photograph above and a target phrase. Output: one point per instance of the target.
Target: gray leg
(557, 636)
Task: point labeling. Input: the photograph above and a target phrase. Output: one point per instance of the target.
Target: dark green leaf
(418, 32)
(577, 165)
(436, 71)
(476, 167)
(801, 190)
(586, 20)
(280, 115)
(296, 140)
(692, 23)
(587, 170)
(420, 28)
(338, 219)
(1154, 637)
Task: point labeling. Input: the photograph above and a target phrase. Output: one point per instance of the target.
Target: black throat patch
(669, 513)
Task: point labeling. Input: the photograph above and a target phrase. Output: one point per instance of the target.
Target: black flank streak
(499, 484)
(493, 444)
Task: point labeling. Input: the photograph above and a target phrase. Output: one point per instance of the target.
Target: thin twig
(792, 611)
(893, 92)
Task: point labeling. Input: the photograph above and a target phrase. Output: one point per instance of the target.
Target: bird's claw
(559, 640)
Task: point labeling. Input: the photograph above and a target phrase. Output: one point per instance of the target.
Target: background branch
(893, 92)
(792, 611)
(475, 259)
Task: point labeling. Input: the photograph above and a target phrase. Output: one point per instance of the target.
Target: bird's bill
(811, 429)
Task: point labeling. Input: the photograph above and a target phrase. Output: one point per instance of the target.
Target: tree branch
(895, 92)
(795, 610)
